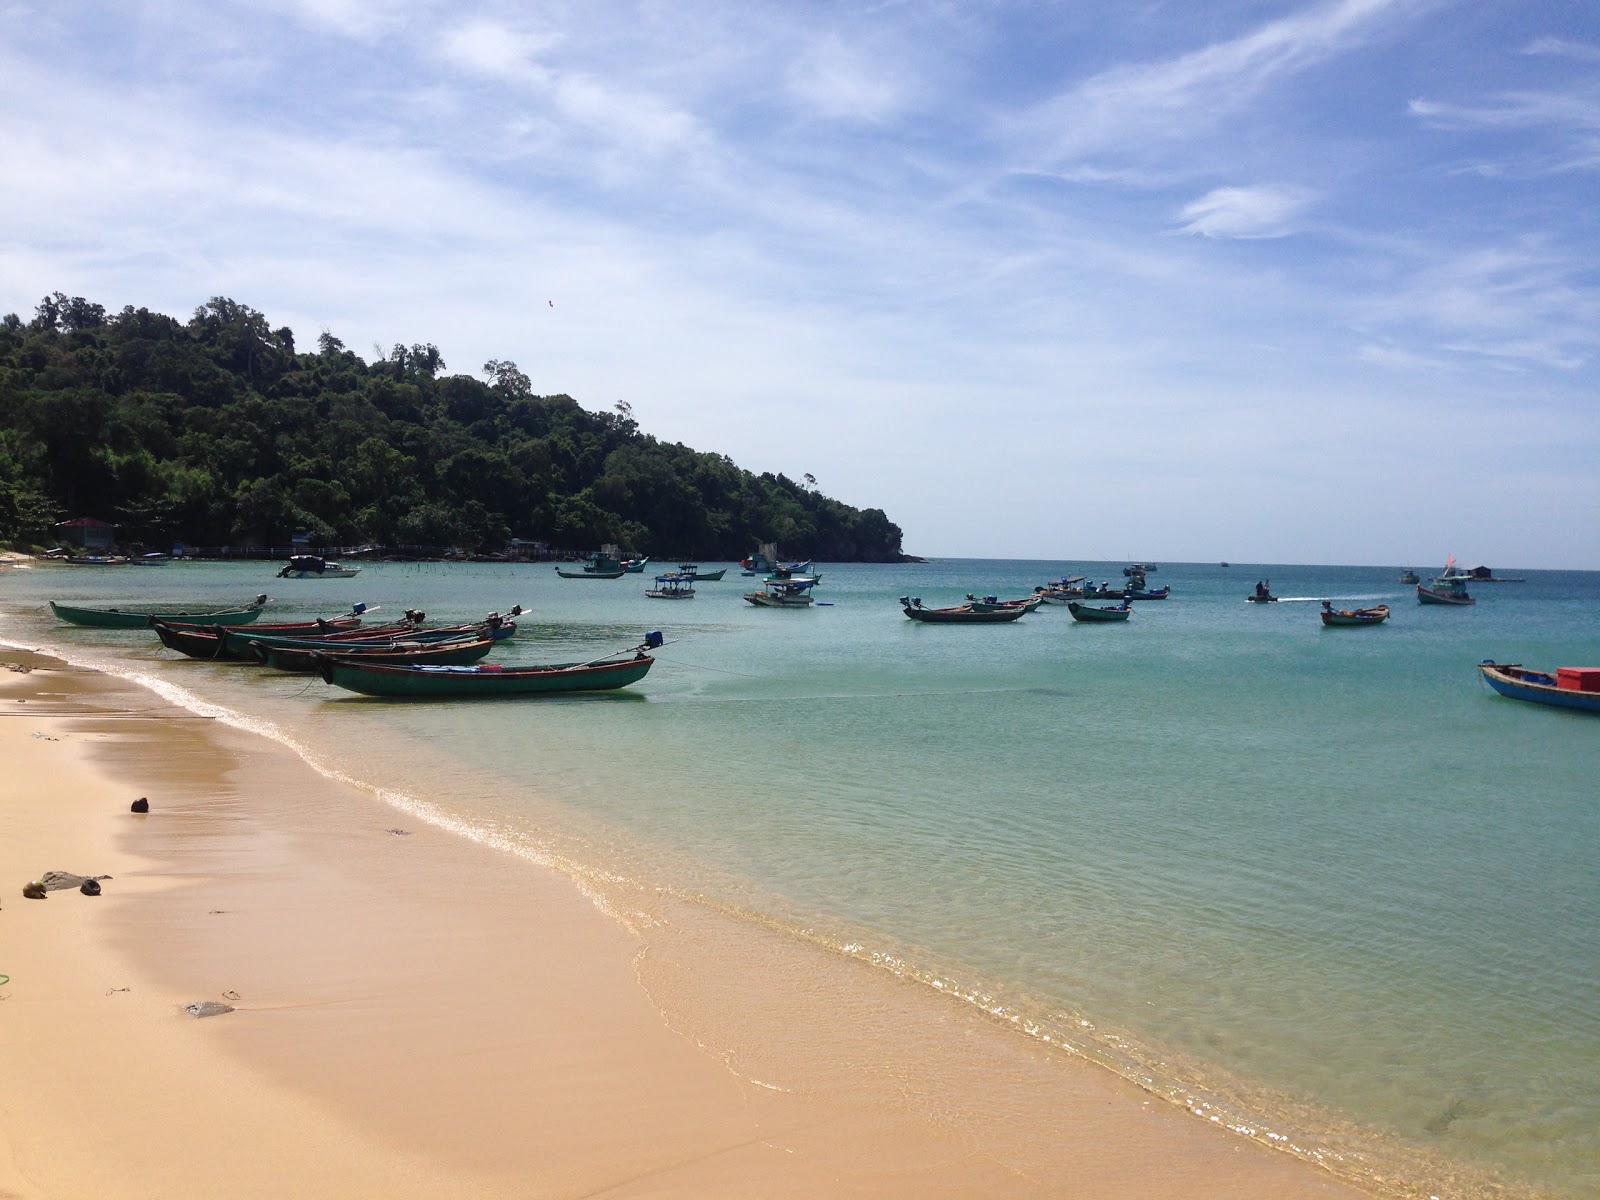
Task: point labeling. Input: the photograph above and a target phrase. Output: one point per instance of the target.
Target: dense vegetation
(220, 432)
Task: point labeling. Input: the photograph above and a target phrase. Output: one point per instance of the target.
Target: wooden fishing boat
(1445, 590)
(313, 566)
(1138, 570)
(400, 652)
(489, 679)
(1088, 613)
(141, 618)
(635, 566)
(791, 592)
(672, 587)
(211, 642)
(1104, 592)
(1144, 593)
(1569, 687)
(1026, 604)
(598, 566)
(91, 560)
(959, 614)
(693, 571)
(1349, 617)
(1409, 577)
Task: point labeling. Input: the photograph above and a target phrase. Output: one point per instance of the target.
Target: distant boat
(1376, 615)
(693, 571)
(1088, 613)
(1143, 593)
(1409, 577)
(635, 566)
(672, 587)
(1027, 604)
(791, 592)
(960, 614)
(1447, 587)
(597, 566)
(1140, 570)
(124, 618)
(1570, 687)
(1059, 591)
(1263, 593)
(313, 566)
(92, 560)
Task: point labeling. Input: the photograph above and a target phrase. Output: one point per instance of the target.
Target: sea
(1319, 885)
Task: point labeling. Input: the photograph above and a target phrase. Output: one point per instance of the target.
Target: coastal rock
(89, 887)
(34, 890)
(141, 805)
(207, 1008)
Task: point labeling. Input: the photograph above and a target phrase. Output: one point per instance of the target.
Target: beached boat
(489, 679)
(313, 566)
(140, 618)
(399, 652)
(959, 614)
(672, 587)
(211, 642)
(1088, 613)
(1569, 687)
(1342, 617)
(693, 571)
(791, 592)
(90, 560)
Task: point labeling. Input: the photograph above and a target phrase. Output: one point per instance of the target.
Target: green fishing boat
(489, 679)
(1089, 612)
(129, 618)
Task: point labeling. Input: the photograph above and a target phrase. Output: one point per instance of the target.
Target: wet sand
(417, 1014)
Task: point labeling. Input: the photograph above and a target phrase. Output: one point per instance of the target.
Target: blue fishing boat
(1569, 687)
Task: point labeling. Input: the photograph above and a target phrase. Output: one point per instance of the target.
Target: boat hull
(112, 618)
(303, 660)
(1511, 680)
(964, 614)
(1351, 618)
(1427, 595)
(442, 682)
(1090, 615)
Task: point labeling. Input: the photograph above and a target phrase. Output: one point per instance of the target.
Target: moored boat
(960, 614)
(1337, 617)
(1409, 577)
(791, 592)
(1027, 603)
(489, 679)
(598, 566)
(692, 571)
(1444, 590)
(672, 587)
(1143, 593)
(141, 618)
(1569, 687)
(1089, 613)
(314, 566)
(399, 652)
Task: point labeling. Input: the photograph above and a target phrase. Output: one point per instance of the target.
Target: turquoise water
(1321, 881)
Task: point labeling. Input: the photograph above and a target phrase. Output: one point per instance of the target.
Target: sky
(1188, 281)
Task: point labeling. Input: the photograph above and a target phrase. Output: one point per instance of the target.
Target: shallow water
(1321, 881)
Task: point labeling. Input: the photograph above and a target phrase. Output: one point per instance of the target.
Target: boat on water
(1569, 687)
(314, 566)
(793, 591)
(1089, 613)
(457, 651)
(672, 587)
(1138, 570)
(141, 618)
(960, 614)
(597, 566)
(635, 566)
(1342, 617)
(693, 572)
(1444, 589)
(1409, 577)
(210, 642)
(1143, 593)
(421, 681)
(1027, 603)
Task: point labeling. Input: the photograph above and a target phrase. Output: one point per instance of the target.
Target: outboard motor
(653, 640)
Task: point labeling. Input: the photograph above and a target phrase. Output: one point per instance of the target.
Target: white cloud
(1562, 48)
(843, 83)
(490, 48)
(1246, 212)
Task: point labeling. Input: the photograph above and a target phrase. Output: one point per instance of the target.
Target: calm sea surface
(1321, 881)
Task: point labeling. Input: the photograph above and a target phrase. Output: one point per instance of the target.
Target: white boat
(311, 566)
(672, 587)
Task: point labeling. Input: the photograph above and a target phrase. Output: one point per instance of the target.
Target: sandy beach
(416, 1014)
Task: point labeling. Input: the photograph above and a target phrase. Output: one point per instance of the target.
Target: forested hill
(219, 431)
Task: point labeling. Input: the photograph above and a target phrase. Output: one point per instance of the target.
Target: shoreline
(427, 1016)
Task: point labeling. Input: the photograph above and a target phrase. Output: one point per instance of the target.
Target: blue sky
(1255, 281)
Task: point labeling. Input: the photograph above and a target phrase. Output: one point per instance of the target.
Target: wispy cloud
(1246, 212)
(1562, 48)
